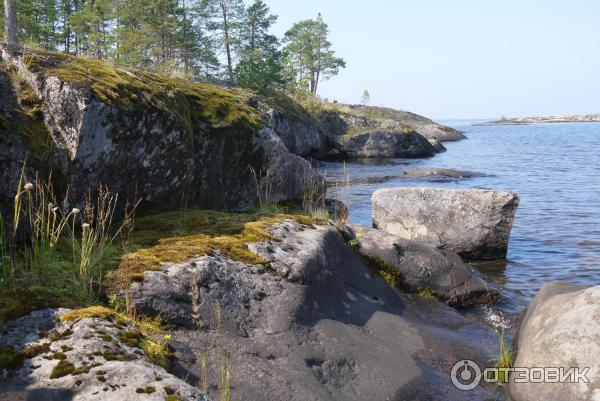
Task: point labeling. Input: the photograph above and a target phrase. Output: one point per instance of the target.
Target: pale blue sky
(462, 58)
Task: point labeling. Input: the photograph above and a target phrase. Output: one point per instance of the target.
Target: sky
(452, 59)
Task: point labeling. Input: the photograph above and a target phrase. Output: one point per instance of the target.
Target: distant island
(547, 119)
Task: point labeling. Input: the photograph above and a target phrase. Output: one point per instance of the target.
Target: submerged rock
(438, 172)
(559, 329)
(474, 223)
(424, 268)
(312, 323)
(89, 358)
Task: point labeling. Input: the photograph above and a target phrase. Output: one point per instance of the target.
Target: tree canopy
(215, 40)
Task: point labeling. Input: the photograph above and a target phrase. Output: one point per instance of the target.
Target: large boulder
(474, 223)
(164, 140)
(90, 358)
(311, 323)
(425, 268)
(376, 144)
(559, 329)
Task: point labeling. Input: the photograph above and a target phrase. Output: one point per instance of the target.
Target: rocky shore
(237, 279)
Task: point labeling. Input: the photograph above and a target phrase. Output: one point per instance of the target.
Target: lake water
(555, 169)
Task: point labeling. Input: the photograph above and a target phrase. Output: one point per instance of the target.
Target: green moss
(173, 398)
(157, 352)
(9, 358)
(130, 337)
(62, 369)
(427, 293)
(169, 390)
(147, 390)
(383, 269)
(37, 349)
(178, 236)
(193, 104)
(116, 356)
(97, 312)
(58, 355)
(28, 120)
(23, 299)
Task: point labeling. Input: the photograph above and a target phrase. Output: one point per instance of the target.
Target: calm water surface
(555, 169)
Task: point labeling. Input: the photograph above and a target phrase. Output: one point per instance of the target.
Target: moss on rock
(178, 236)
(10, 358)
(193, 104)
(388, 272)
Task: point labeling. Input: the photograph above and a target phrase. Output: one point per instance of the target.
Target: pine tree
(10, 23)
(259, 58)
(225, 20)
(310, 57)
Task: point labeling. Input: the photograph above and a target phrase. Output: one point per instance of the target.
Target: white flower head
(75, 211)
(50, 206)
(54, 209)
(85, 226)
(28, 186)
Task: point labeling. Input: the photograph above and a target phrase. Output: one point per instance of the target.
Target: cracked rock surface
(313, 324)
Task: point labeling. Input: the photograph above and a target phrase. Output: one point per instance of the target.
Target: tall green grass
(49, 241)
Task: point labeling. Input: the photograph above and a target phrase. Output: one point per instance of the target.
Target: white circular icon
(465, 375)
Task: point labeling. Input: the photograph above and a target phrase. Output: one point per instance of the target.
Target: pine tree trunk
(227, 45)
(10, 23)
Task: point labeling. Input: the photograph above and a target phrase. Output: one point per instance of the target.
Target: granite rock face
(473, 223)
(424, 267)
(83, 360)
(145, 136)
(313, 323)
(559, 329)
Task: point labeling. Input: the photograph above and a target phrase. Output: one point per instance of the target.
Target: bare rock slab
(424, 267)
(474, 223)
(560, 329)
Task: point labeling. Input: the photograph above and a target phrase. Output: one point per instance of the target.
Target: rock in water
(385, 144)
(559, 329)
(423, 267)
(474, 223)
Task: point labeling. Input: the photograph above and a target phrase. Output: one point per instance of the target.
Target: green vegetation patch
(178, 236)
(9, 358)
(193, 104)
(21, 300)
(27, 118)
(383, 269)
